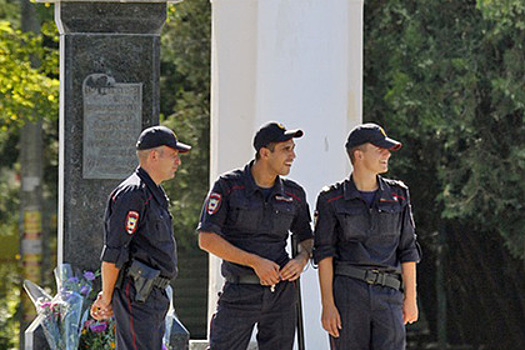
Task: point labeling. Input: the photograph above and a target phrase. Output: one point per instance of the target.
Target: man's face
(168, 162)
(373, 158)
(281, 159)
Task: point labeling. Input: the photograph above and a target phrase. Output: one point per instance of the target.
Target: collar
(251, 186)
(351, 191)
(158, 192)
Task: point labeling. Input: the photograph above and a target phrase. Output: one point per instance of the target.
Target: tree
(27, 94)
(447, 79)
(185, 90)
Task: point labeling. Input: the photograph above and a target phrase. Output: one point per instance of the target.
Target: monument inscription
(112, 121)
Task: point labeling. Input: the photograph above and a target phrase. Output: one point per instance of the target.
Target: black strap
(369, 276)
(246, 279)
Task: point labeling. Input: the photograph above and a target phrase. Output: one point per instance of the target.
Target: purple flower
(98, 327)
(73, 279)
(85, 290)
(164, 347)
(90, 276)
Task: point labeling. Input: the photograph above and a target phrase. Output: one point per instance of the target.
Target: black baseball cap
(156, 136)
(273, 132)
(372, 133)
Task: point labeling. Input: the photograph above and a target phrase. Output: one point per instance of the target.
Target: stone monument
(109, 92)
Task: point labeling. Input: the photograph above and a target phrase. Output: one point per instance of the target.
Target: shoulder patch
(132, 219)
(214, 202)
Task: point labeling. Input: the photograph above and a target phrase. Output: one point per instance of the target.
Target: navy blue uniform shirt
(382, 236)
(138, 226)
(236, 210)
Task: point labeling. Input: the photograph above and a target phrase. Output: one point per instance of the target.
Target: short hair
(352, 150)
(142, 154)
(270, 146)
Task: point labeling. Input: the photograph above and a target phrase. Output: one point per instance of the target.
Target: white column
(297, 62)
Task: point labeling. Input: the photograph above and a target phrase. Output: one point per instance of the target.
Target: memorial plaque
(112, 123)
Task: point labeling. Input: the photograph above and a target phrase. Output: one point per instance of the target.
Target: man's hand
(331, 320)
(294, 268)
(101, 308)
(267, 271)
(410, 310)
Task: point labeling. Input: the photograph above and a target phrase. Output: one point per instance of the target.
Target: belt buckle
(371, 276)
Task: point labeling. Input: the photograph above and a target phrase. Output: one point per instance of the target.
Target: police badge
(131, 221)
(214, 202)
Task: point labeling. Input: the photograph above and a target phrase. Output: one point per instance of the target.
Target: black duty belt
(247, 279)
(370, 276)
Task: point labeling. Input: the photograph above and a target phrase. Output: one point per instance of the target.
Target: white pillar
(297, 62)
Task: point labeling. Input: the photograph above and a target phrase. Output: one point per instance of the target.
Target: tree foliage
(26, 92)
(452, 86)
(185, 90)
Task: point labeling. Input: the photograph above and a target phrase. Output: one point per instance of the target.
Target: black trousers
(140, 326)
(371, 316)
(241, 306)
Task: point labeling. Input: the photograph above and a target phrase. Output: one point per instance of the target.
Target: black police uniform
(236, 209)
(138, 227)
(368, 246)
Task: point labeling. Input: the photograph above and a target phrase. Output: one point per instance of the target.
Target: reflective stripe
(131, 315)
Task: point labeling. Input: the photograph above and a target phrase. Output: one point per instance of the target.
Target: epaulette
(231, 175)
(330, 188)
(326, 189)
(397, 183)
(292, 184)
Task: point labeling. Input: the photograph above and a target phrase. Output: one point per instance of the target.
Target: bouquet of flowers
(98, 335)
(62, 314)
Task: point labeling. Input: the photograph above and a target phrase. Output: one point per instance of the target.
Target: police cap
(273, 132)
(372, 133)
(156, 136)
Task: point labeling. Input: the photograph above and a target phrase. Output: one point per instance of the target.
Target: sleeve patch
(214, 202)
(132, 220)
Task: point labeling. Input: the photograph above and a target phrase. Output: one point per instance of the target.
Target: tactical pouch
(143, 276)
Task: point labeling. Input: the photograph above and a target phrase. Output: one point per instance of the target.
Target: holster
(143, 278)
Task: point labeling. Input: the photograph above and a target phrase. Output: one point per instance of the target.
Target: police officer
(246, 220)
(139, 247)
(366, 249)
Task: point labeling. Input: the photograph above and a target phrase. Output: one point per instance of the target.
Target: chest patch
(214, 202)
(132, 220)
(284, 199)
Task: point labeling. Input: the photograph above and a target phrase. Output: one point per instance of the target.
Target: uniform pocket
(354, 221)
(389, 220)
(282, 218)
(245, 216)
(160, 227)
